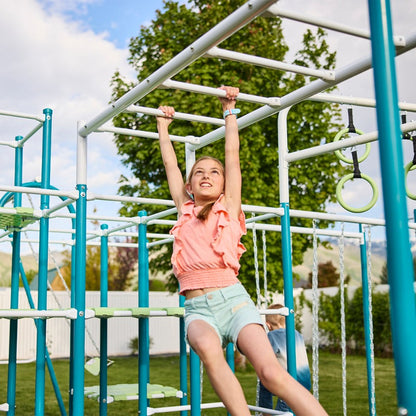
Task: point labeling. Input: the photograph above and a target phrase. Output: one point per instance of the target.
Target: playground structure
(399, 256)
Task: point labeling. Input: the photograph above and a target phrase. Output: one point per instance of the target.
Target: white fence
(164, 331)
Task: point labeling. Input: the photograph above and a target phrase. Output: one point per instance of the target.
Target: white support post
(283, 151)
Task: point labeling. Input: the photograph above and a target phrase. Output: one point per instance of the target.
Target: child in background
(277, 337)
(205, 260)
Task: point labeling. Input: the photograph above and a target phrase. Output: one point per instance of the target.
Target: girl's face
(206, 182)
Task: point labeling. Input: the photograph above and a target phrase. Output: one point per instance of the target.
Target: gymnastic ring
(339, 153)
(343, 203)
(409, 167)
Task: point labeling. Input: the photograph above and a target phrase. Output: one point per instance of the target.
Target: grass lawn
(165, 370)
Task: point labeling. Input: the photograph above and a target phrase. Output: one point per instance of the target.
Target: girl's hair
(206, 209)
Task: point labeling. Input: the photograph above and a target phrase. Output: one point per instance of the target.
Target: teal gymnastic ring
(339, 153)
(344, 204)
(409, 167)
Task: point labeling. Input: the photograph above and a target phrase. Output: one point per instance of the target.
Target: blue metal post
(103, 321)
(288, 291)
(14, 294)
(43, 265)
(183, 360)
(367, 325)
(144, 355)
(399, 259)
(195, 375)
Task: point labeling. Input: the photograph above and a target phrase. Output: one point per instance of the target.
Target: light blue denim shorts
(227, 310)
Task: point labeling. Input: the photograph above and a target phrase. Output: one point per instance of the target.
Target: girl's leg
(206, 343)
(253, 342)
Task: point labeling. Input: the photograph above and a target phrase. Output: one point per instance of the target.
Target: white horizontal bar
(327, 24)
(177, 116)
(216, 92)
(362, 102)
(269, 63)
(8, 143)
(217, 34)
(343, 144)
(160, 242)
(39, 191)
(118, 198)
(4, 407)
(145, 134)
(21, 115)
(41, 314)
(20, 143)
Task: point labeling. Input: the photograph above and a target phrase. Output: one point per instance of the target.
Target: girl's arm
(232, 191)
(173, 173)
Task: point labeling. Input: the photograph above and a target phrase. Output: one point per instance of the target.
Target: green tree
(328, 275)
(384, 278)
(312, 181)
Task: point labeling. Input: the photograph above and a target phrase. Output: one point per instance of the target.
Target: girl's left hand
(228, 102)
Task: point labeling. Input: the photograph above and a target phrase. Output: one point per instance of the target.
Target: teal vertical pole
(72, 328)
(14, 293)
(399, 259)
(103, 321)
(79, 324)
(144, 356)
(183, 360)
(369, 349)
(195, 374)
(288, 291)
(229, 354)
(43, 265)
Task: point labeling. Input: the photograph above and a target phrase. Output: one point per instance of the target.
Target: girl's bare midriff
(199, 292)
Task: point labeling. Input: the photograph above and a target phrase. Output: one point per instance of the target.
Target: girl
(205, 260)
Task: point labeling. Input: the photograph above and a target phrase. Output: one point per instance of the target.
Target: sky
(61, 54)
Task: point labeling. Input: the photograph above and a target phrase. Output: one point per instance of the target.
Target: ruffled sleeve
(227, 244)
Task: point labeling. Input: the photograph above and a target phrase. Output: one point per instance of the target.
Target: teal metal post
(288, 291)
(369, 348)
(144, 355)
(43, 265)
(195, 374)
(79, 324)
(103, 321)
(183, 360)
(14, 294)
(399, 259)
(229, 354)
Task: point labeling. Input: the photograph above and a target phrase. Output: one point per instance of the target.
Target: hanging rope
(266, 292)
(315, 317)
(370, 313)
(343, 332)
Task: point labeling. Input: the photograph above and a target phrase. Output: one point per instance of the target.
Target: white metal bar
(38, 191)
(178, 115)
(342, 144)
(63, 204)
(82, 161)
(34, 313)
(20, 143)
(160, 242)
(301, 94)
(215, 92)
(21, 115)
(217, 34)
(269, 63)
(145, 134)
(8, 143)
(137, 200)
(327, 24)
(357, 101)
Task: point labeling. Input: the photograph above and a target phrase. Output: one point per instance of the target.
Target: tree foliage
(312, 181)
(328, 275)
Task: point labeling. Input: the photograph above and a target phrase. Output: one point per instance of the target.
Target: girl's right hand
(167, 118)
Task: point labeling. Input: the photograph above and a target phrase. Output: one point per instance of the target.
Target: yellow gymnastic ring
(339, 154)
(344, 204)
(409, 167)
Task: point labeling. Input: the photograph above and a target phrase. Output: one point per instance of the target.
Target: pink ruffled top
(207, 253)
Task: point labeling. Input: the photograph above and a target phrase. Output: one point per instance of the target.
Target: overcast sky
(62, 54)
